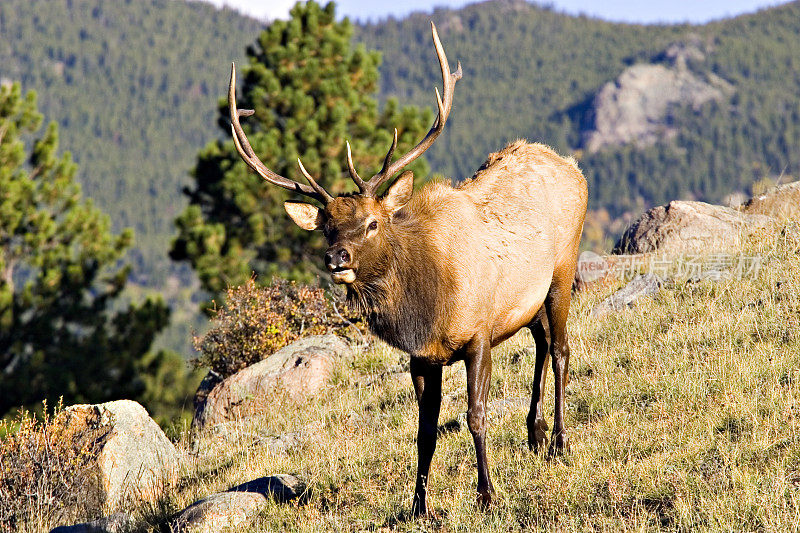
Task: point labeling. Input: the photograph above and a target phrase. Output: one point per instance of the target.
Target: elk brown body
(447, 273)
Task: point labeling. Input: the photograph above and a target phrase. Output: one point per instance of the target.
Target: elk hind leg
(479, 371)
(537, 425)
(557, 306)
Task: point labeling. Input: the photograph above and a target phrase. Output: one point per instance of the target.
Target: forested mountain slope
(524, 68)
(536, 73)
(134, 86)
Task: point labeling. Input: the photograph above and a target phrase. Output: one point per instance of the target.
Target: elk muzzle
(339, 261)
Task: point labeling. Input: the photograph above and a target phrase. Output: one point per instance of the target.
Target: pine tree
(60, 277)
(311, 92)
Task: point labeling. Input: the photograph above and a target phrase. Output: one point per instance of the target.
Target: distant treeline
(134, 87)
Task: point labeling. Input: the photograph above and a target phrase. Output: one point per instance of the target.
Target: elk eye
(373, 225)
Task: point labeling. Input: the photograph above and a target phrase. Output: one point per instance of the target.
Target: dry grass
(45, 469)
(682, 413)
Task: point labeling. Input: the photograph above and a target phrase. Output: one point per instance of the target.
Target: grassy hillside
(682, 415)
(681, 412)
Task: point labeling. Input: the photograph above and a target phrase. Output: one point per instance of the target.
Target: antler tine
(362, 186)
(388, 159)
(316, 186)
(248, 155)
(448, 80)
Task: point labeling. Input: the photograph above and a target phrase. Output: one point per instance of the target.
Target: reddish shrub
(44, 465)
(256, 321)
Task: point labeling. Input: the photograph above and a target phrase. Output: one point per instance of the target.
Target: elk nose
(337, 258)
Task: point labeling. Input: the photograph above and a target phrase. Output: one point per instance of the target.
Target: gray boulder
(239, 505)
(134, 460)
(642, 286)
(115, 523)
(693, 227)
(299, 370)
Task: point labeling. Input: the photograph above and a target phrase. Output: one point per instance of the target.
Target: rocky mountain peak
(636, 106)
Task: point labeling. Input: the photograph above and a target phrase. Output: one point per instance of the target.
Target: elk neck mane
(404, 305)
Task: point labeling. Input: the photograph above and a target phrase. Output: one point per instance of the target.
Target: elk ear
(305, 215)
(399, 193)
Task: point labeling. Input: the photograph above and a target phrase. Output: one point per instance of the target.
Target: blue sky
(646, 11)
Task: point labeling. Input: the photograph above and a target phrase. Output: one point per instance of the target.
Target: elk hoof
(537, 436)
(484, 499)
(419, 508)
(559, 446)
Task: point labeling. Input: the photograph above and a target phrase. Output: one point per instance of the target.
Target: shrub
(44, 466)
(256, 321)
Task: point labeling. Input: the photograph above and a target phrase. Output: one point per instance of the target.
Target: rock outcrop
(134, 459)
(782, 202)
(299, 370)
(689, 227)
(636, 106)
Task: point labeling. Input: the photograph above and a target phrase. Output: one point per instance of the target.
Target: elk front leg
(479, 371)
(537, 426)
(428, 388)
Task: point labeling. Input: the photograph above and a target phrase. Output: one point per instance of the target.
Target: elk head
(358, 227)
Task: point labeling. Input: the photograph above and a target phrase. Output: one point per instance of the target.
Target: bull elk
(447, 273)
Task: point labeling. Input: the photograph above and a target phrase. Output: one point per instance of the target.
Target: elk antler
(248, 155)
(389, 169)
